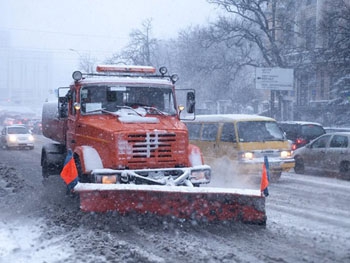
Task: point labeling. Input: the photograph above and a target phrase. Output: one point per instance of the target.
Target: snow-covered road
(307, 221)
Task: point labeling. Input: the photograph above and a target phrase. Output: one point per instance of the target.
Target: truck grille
(154, 149)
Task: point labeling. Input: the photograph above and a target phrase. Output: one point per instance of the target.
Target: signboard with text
(274, 78)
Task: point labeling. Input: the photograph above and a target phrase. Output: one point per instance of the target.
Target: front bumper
(20, 144)
(188, 176)
(275, 164)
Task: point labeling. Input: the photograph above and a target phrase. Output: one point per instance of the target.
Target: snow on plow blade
(202, 204)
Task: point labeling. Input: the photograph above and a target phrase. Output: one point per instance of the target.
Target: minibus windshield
(259, 131)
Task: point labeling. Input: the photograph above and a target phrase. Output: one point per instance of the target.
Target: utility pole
(273, 92)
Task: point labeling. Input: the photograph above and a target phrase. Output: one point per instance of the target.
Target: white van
(237, 143)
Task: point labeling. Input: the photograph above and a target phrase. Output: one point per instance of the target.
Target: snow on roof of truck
(126, 80)
(230, 117)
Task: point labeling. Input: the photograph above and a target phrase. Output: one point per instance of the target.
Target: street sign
(274, 78)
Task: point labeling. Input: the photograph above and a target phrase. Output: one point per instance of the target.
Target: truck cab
(123, 123)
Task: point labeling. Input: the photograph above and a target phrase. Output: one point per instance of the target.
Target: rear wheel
(45, 168)
(299, 167)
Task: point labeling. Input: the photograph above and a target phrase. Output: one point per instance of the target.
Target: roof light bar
(125, 69)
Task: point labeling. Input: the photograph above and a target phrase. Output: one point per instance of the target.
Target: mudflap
(201, 204)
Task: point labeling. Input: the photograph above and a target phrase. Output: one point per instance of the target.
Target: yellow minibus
(235, 144)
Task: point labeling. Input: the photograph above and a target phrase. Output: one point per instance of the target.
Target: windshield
(17, 130)
(259, 131)
(103, 99)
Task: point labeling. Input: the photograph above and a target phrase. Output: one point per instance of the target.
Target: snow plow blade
(203, 204)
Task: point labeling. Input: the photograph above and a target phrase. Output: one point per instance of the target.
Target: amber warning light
(125, 69)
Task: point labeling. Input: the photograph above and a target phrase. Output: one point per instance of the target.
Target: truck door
(71, 123)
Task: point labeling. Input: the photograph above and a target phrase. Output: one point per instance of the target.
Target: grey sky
(65, 30)
(95, 27)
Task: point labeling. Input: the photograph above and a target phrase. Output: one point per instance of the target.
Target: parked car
(337, 129)
(328, 153)
(16, 136)
(301, 132)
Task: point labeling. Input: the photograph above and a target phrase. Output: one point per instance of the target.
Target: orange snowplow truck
(122, 127)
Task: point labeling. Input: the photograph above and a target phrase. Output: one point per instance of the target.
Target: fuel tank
(53, 127)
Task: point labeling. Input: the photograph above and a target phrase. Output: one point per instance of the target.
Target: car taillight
(298, 143)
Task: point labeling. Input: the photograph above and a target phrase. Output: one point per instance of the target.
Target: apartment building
(317, 76)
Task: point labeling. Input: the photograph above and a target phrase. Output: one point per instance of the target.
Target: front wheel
(83, 178)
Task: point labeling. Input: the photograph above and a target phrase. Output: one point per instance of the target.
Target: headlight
(247, 155)
(286, 154)
(105, 179)
(31, 138)
(199, 175)
(12, 138)
(111, 179)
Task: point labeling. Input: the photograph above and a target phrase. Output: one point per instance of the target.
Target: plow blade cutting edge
(204, 204)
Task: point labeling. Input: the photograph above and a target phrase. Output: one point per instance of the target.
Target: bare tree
(141, 48)
(267, 24)
(216, 70)
(335, 52)
(87, 63)
(335, 30)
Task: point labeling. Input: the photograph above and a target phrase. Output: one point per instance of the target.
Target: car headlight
(12, 138)
(31, 138)
(286, 154)
(247, 155)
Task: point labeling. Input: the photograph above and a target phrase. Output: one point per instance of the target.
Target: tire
(344, 169)
(52, 159)
(83, 178)
(45, 168)
(299, 167)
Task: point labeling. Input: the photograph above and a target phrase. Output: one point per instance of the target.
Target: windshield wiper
(155, 109)
(114, 113)
(149, 109)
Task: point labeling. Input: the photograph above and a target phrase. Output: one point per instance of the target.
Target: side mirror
(63, 96)
(191, 102)
(63, 107)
